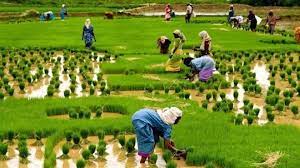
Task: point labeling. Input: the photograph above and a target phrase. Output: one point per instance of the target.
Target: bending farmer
(173, 64)
(163, 43)
(205, 46)
(203, 66)
(149, 125)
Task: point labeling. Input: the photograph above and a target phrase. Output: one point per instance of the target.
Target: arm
(82, 33)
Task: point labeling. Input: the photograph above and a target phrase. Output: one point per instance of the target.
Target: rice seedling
(80, 163)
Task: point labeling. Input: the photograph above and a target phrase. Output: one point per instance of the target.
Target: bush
(84, 133)
(167, 155)
(121, 139)
(65, 149)
(101, 150)
(280, 106)
(171, 164)
(86, 154)
(67, 93)
(80, 163)
(76, 139)
(3, 149)
(239, 119)
(295, 109)
(100, 134)
(270, 117)
(23, 152)
(287, 101)
(129, 146)
(153, 158)
(92, 148)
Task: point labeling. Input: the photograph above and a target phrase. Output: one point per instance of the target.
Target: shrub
(121, 139)
(167, 155)
(86, 154)
(222, 95)
(239, 119)
(270, 116)
(23, 152)
(295, 109)
(129, 146)
(280, 106)
(65, 149)
(205, 104)
(1, 96)
(100, 134)
(84, 133)
(171, 164)
(208, 96)
(101, 150)
(116, 132)
(153, 158)
(92, 148)
(67, 93)
(80, 163)
(76, 139)
(3, 149)
(287, 101)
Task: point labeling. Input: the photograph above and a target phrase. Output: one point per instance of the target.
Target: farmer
(88, 34)
(205, 46)
(168, 11)
(189, 13)
(151, 124)
(297, 34)
(63, 12)
(173, 63)
(46, 16)
(271, 22)
(230, 13)
(203, 66)
(163, 43)
(252, 19)
(236, 21)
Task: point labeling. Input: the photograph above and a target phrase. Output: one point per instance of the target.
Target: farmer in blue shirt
(204, 66)
(149, 125)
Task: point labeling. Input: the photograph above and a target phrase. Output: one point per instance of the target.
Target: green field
(133, 40)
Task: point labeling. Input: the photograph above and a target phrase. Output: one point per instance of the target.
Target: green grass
(130, 35)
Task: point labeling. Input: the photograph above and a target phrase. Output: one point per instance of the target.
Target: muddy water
(116, 156)
(36, 158)
(262, 76)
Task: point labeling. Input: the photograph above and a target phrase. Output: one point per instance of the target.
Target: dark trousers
(188, 18)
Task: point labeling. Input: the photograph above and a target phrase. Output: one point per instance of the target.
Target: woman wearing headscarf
(205, 46)
(88, 34)
(203, 66)
(173, 63)
(271, 22)
(252, 20)
(163, 43)
(189, 13)
(297, 34)
(63, 12)
(168, 12)
(151, 124)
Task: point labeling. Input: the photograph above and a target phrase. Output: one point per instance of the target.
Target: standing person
(189, 13)
(63, 12)
(203, 66)
(205, 46)
(230, 13)
(163, 43)
(173, 63)
(168, 11)
(271, 22)
(88, 34)
(149, 125)
(297, 34)
(252, 19)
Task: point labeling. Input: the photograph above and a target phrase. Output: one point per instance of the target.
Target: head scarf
(180, 35)
(169, 115)
(63, 5)
(87, 23)
(205, 37)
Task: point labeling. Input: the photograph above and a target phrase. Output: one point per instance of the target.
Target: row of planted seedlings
(238, 64)
(20, 69)
(86, 112)
(19, 142)
(263, 29)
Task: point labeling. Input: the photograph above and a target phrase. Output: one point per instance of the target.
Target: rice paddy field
(64, 106)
